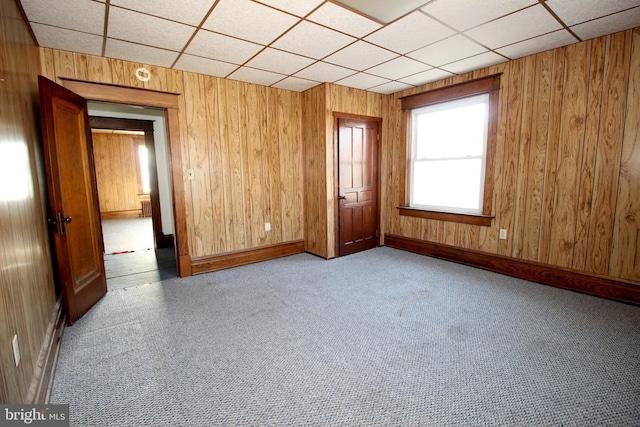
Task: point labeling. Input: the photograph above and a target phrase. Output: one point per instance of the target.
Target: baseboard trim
(134, 213)
(42, 382)
(601, 286)
(245, 256)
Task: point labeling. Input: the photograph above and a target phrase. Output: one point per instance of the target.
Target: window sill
(481, 220)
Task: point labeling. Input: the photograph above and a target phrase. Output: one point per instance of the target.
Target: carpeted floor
(378, 338)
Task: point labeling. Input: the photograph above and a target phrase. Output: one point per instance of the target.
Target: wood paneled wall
(319, 105)
(243, 142)
(116, 163)
(567, 171)
(27, 291)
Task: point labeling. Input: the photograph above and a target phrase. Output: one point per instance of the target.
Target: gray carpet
(378, 338)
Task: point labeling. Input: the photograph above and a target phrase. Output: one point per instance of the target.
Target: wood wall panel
(566, 173)
(27, 291)
(625, 259)
(243, 142)
(320, 104)
(116, 171)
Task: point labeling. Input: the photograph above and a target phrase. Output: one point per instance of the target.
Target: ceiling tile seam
(607, 15)
(527, 39)
(393, 59)
(557, 18)
(288, 13)
(269, 45)
(356, 11)
(152, 15)
(198, 28)
(105, 29)
(144, 45)
(65, 28)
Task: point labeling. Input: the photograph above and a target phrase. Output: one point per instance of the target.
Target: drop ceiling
(298, 44)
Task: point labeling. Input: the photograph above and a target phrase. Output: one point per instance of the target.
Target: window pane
(144, 168)
(447, 183)
(454, 129)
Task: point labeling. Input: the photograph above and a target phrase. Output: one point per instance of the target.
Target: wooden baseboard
(42, 381)
(246, 256)
(601, 286)
(134, 213)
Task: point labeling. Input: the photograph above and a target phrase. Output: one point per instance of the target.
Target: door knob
(342, 197)
(67, 219)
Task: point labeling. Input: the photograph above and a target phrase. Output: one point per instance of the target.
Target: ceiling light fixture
(384, 11)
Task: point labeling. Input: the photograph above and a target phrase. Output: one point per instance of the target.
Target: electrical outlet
(503, 234)
(267, 226)
(16, 349)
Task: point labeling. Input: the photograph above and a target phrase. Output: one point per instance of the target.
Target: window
(450, 147)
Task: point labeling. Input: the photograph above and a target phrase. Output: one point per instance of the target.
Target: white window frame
(457, 103)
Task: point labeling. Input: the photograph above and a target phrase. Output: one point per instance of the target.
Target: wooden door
(358, 185)
(73, 203)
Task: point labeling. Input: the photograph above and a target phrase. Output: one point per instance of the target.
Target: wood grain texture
(27, 290)
(116, 172)
(601, 286)
(243, 142)
(320, 104)
(566, 164)
(246, 256)
(625, 259)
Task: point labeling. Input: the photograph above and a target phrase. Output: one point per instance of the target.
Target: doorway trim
(336, 173)
(168, 101)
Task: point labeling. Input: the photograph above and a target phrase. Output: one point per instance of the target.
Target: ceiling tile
(279, 61)
(362, 81)
(360, 56)
(259, 77)
(537, 44)
(312, 40)
(148, 30)
(465, 14)
(397, 68)
(65, 14)
(222, 48)
(63, 39)
(426, 77)
(341, 19)
(298, 7)
(531, 22)
(210, 67)
(323, 72)
(609, 24)
(575, 12)
(410, 33)
(391, 87)
(138, 53)
(248, 20)
(447, 50)
(186, 11)
(295, 84)
(474, 63)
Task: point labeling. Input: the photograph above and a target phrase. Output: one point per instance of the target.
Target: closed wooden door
(73, 203)
(358, 185)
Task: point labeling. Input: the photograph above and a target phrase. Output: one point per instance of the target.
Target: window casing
(450, 143)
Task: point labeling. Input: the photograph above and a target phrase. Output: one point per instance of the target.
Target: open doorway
(136, 248)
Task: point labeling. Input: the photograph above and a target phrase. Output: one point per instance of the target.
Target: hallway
(129, 258)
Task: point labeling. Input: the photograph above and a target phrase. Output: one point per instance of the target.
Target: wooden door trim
(162, 240)
(155, 99)
(121, 94)
(336, 173)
